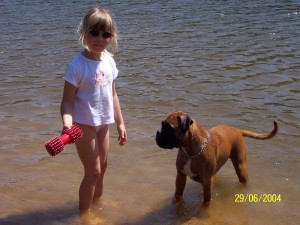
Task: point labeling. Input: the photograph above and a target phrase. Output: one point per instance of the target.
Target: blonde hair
(98, 19)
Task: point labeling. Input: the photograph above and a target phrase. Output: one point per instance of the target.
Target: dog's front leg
(207, 188)
(180, 185)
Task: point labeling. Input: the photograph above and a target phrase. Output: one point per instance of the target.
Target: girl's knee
(96, 174)
(93, 175)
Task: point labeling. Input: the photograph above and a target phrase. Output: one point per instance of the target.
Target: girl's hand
(122, 134)
(65, 128)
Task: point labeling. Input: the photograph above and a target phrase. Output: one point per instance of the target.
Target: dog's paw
(205, 205)
(177, 200)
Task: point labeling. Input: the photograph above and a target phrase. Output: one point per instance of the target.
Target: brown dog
(202, 153)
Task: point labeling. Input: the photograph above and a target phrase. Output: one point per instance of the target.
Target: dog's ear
(184, 123)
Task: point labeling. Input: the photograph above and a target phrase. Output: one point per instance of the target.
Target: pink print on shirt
(101, 78)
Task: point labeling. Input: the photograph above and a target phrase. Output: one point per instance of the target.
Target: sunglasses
(95, 33)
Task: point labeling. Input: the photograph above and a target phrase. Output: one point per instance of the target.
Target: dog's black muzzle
(165, 137)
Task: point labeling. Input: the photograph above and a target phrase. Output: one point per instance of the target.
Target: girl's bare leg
(103, 147)
(87, 149)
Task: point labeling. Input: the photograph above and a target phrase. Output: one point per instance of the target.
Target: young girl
(90, 100)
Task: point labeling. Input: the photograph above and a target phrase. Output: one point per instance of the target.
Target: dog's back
(225, 130)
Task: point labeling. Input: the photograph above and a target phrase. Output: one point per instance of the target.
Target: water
(233, 62)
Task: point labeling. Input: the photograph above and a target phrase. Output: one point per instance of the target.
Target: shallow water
(220, 61)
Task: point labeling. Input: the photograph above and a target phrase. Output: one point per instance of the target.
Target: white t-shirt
(93, 103)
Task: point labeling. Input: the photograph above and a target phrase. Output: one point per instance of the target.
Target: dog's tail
(261, 136)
